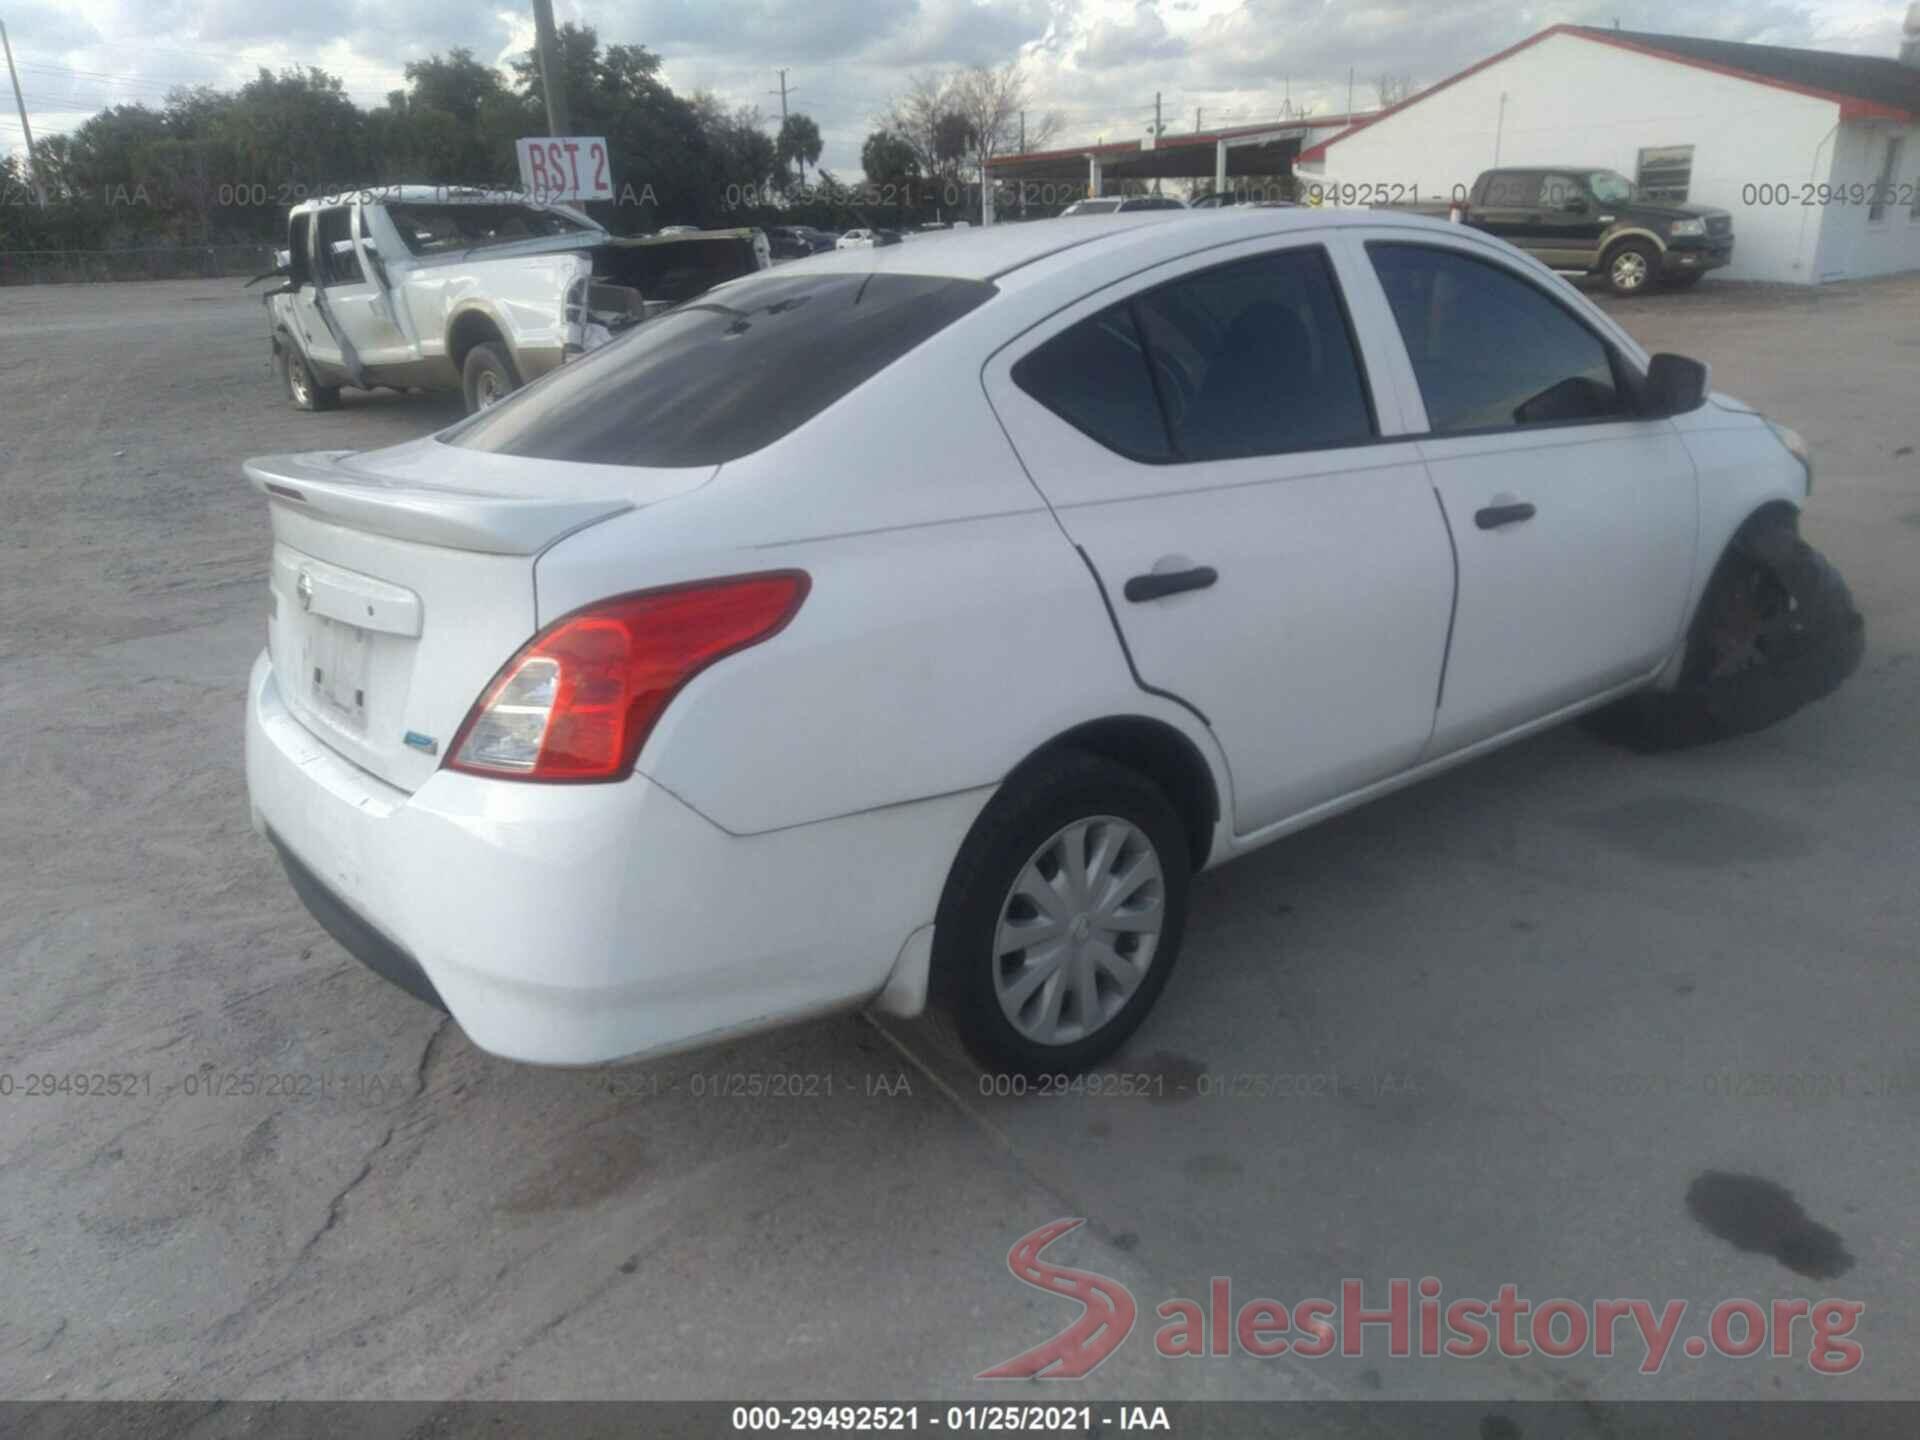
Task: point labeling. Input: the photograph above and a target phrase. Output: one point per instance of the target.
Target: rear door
(1574, 517)
(1568, 235)
(1208, 437)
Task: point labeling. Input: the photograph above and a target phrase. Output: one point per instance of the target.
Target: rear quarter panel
(950, 631)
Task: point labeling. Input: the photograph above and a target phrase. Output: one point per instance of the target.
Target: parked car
(422, 286)
(1121, 205)
(1585, 220)
(867, 238)
(791, 242)
(661, 702)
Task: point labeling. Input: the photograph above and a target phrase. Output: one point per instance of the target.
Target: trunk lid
(402, 580)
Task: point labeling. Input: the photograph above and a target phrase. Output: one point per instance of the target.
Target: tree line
(217, 167)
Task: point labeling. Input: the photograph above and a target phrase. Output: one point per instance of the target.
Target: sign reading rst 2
(563, 170)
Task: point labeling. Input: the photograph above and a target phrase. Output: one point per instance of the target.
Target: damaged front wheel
(1776, 630)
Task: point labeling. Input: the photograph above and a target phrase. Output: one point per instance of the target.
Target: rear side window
(1094, 376)
(1490, 349)
(725, 375)
(1255, 358)
(1251, 358)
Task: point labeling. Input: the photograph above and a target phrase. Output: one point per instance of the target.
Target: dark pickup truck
(1576, 217)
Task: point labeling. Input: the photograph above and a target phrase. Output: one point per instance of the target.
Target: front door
(1274, 556)
(1574, 517)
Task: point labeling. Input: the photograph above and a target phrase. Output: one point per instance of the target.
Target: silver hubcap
(297, 381)
(1630, 270)
(1078, 930)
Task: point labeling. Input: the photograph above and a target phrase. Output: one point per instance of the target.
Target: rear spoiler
(321, 485)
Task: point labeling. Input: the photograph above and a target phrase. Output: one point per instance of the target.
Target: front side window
(1250, 358)
(724, 375)
(1611, 188)
(339, 260)
(1490, 349)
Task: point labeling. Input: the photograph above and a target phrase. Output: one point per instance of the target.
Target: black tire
(1631, 268)
(487, 376)
(1036, 804)
(1775, 631)
(305, 392)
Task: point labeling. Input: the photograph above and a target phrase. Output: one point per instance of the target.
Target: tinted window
(1094, 376)
(1489, 348)
(1256, 358)
(1557, 190)
(1511, 187)
(725, 375)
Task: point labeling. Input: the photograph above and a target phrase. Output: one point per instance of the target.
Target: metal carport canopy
(1266, 149)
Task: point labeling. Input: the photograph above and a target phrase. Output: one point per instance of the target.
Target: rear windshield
(436, 229)
(722, 376)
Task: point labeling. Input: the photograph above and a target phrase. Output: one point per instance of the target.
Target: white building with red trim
(1817, 155)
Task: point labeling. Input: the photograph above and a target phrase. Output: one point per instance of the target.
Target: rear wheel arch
(1158, 751)
(472, 328)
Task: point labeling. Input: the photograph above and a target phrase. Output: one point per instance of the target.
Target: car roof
(409, 194)
(1002, 252)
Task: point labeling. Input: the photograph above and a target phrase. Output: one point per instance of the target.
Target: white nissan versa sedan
(915, 621)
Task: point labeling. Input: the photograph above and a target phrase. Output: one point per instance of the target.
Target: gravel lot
(1556, 987)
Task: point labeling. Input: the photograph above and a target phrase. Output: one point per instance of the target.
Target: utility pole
(1158, 127)
(783, 122)
(33, 165)
(553, 72)
(1196, 119)
(1349, 92)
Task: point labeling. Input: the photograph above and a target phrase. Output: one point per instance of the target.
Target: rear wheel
(487, 377)
(1063, 916)
(1631, 268)
(303, 390)
(1776, 630)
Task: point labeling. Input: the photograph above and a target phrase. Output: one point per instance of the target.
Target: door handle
(1494, 516)
(1169, 582)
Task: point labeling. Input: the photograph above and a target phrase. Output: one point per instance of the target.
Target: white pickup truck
(444, 288)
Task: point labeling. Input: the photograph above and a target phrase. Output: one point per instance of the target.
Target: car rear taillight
(579, 699)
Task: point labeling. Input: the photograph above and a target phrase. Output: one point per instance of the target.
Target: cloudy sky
(1096, 63)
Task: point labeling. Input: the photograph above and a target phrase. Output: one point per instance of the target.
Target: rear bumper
(580, 924)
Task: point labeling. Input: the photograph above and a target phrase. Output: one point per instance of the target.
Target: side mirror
(1676, 384)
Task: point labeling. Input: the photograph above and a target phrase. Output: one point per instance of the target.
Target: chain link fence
(159, 262)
